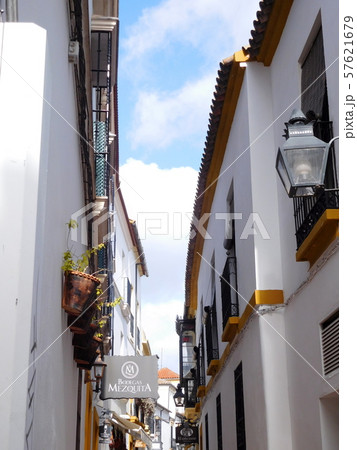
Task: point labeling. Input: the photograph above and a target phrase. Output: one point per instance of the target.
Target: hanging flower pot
(80, 290)
(84, 340)
(80, 324)
(85, 357)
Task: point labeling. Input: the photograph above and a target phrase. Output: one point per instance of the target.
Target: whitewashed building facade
(262, 288)
(59, 161)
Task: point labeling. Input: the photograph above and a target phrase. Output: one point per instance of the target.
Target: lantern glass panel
(282, 171)
(306, 165)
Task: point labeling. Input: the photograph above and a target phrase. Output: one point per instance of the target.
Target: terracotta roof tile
(168, 374)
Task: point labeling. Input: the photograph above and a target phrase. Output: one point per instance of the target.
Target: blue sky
(169, 55)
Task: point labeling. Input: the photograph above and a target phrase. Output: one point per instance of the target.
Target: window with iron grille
(211, 333)
(239, 403)
(219, 422)
(314, 104)
(101, 84)
(330, 344)
(229, 295)
(201, 362)
(128, 289)
(131, 325)
(206, 432)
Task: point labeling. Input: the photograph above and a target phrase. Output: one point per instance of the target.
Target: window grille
(101, 84)
(201, 363)
(330, 344)
(131, 324)
(239, 400)
(206, 432)
(219, 422)
(314, 104)
(211, 333)
(229, 290)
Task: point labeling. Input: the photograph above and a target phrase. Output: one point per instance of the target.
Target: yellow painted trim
(225, 354)
(274, 30)
(201, 391)
(136, 420)
(232, 94)
(88, 417)
(213, 367)
(268, 296)
(325, 231)
(95, 436)
(230, 330)
(260, 297)
(190, 413)
(146, 349)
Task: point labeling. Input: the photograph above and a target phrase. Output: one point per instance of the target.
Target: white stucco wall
(41, 188)
(288, 403)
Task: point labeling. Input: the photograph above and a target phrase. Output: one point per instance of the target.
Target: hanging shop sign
(130, 377)
(186, 434)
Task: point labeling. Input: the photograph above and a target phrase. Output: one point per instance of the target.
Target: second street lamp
(179, 397)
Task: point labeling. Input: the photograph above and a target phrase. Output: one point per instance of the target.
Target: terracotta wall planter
(79, 291)
(85, 357)
(84, 340)
(81, 324)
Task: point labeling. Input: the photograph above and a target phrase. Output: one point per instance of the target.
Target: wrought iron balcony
(308, 210)
(211, 338)
(230, 307)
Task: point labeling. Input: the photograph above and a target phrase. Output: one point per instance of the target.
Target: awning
(125, 424)
(145, 438)
(133, 428)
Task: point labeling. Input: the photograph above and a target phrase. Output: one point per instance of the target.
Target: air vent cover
(330, 344)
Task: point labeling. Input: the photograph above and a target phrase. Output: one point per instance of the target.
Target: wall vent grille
(330, 344)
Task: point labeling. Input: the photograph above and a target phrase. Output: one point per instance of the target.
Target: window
(314, 104)
(211, 333)
(229, 295)
(239, 401)
(219, 422)
(211, 319)
(185, 328)
(330, 344)
(206, 432)
(201, 362)
(128, 289)
(229, 276)
(101, 85)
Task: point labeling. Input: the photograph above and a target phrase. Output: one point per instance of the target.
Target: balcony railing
(308, 210)
(211, 335)
(101, 64)
(201, 375)
(230, 307)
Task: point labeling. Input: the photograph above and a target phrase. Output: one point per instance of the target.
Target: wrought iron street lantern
(105, 432)
(98, 369)
(179, 397)
(105, 426)
(301, 162)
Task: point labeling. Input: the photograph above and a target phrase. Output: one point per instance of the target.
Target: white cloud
(206, 24)
(159, 323)
(160, 118)
(148, 188)
(159, 199)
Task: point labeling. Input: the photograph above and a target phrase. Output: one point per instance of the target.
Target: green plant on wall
(81, 263)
